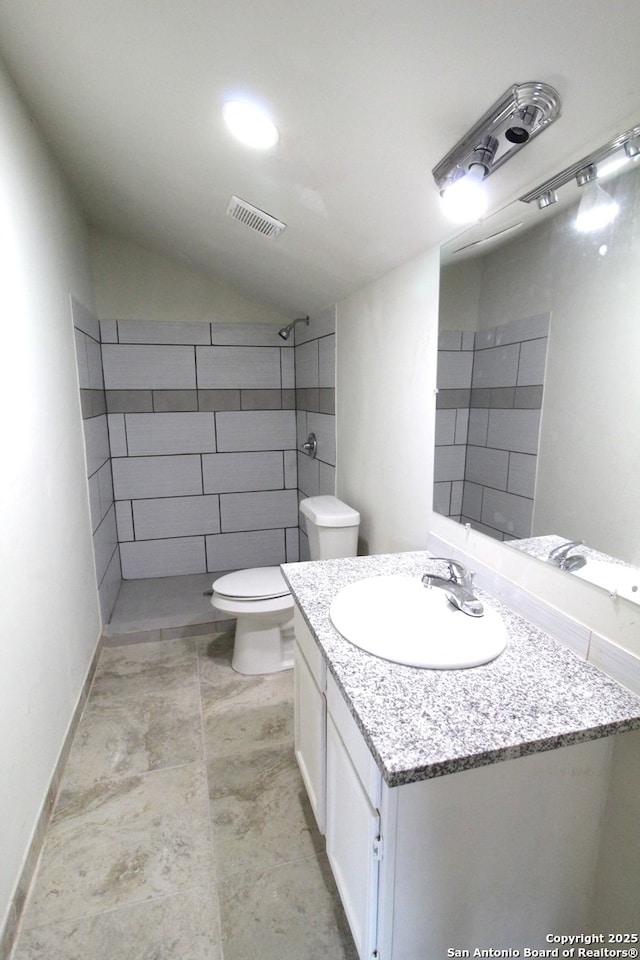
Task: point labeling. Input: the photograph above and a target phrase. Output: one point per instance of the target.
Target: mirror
(543, 437)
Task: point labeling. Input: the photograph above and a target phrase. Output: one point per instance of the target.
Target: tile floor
(182, 829)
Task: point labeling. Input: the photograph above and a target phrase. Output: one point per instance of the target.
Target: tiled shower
(488, 414)
(193, 434)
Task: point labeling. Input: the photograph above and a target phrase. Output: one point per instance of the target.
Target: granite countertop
(421, 723)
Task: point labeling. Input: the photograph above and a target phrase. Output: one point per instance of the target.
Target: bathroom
(386, 337)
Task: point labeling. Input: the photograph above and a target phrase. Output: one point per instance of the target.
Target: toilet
(259, 598)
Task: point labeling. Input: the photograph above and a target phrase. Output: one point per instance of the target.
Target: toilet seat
(255, 584)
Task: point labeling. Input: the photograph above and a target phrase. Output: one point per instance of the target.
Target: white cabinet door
(352, 829)
(310, 735)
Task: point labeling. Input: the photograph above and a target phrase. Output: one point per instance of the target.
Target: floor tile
(260, 811)
(127, 673)
(291, 912)
(121, 842)
(181, 927)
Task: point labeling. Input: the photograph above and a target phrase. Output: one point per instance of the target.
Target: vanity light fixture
(523, 111)
(249, 124)
(596, 208)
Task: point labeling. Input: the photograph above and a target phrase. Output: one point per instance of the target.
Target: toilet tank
(332, 527)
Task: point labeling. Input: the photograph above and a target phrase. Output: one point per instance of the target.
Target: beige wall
(134, 284)
(386, 363)
(49, 615)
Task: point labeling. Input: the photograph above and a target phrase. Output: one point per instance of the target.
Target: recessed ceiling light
(250, 124)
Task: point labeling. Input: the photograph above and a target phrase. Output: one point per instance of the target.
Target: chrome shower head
(285, 333)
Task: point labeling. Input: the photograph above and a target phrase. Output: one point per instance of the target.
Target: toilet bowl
(259, 598)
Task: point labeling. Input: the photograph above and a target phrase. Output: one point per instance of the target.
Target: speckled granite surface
(422, 723)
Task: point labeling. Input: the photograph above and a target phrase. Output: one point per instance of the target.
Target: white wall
(385, 404)
(134, 284)
(49, 617)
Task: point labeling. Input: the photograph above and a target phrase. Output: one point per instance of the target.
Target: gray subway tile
(214, 400)
(235, 367)
(288, 369)
(261, 510)
(502, 398)
(308, 398)
(290, 458)
(487, 467)
(151, 434)
(96, 441)
(449, 463)
(256, 430)
(514, 430)
(288, 399)
(242, 472)
(327, 400)
(324, 428)
(247, 334)
(292, 544)
(480, 398)
(117, 435)
(308, 475)
(528, 328)
(472, 500)
(478, 426)
(533, 358)
(163, 332)
(261, 399)
(454, 398)
(139, 477)
(528, 398)
(454, 369)
(129, 401)
(327, 479)
(109, 331)
(522, 474)
(307, 365)
(172, 401)
(124, 520)
(138, 367)
(450, 340)
(442, 498)
(496, 367)
(162, 558)
(175, 517)
(507, 512)
(256, 548)
(445, 427)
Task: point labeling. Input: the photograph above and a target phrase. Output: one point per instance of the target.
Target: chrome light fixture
(523, 111)
(596, 208)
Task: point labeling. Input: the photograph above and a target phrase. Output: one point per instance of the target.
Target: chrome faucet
(458, 586)
(560, 556)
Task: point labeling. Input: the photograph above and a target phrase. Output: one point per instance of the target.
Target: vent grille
(254, 218)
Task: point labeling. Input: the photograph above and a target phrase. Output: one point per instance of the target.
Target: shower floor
(163, 608)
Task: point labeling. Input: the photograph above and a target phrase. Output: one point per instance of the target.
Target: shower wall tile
(454, 370)
(228, 367)
(472, 500)
(130, 401)
(528, 328)
(514, 430)
(533, 357)
(248, 334)
(138, 367)
(124, 520)
(308, 476)
(165, 401)
(261, 399)
(462, 426)
(445, 427)
(262, 510)
(496, 367)
(307, 365)
(139, 477)
(449, 463)
(96, 439)
(290, 469)
(260, 430)
(176, 517)
(258, 548)
(105, 542)
(163, 332)
(162, 558)
(108, 331)
(154, 434)
(478, 427)
(506, 512)
(487, 467)
(327, 476)
(522, 474)
(84, 320)
(117, 434)
(214, 400)
(292, 544)
(242, 472)
(288, 369)
(323, 426)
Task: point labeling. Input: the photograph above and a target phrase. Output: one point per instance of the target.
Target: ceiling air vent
(252, 217)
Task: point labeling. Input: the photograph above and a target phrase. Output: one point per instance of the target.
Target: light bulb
(466, 199)
(596, 209)
(250, 124)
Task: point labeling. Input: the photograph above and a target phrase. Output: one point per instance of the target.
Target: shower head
(285, 333)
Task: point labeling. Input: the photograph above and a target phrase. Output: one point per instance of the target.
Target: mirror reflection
(538, 401)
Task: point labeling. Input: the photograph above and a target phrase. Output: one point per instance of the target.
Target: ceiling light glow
(250, 124)
(466, 200)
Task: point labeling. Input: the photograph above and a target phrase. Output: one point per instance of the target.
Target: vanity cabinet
(310, 713)
(496, 856)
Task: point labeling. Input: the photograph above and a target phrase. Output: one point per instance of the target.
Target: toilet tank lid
(328, 511)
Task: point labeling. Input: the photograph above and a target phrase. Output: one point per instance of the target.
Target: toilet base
(263, 644)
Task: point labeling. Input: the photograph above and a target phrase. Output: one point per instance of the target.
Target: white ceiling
(368, 96)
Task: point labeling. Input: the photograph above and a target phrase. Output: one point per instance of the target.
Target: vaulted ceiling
(368, 95)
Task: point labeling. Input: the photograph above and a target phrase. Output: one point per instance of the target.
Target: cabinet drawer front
(353, 740)
(309, 647)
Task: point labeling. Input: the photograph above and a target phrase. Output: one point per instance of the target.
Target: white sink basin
(614, 577)
(397, 618)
